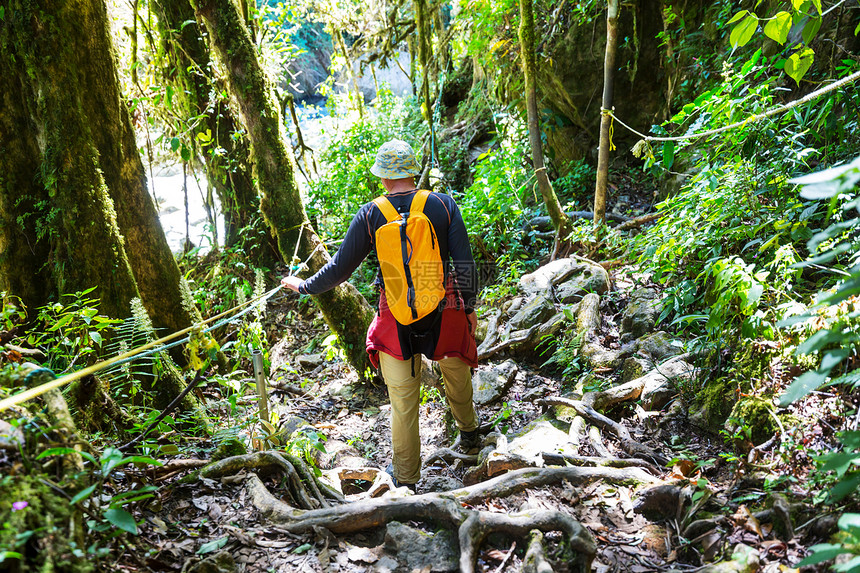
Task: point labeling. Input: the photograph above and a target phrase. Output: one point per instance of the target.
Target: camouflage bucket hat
(395, 160)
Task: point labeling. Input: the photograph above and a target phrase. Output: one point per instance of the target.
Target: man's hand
(292, 283)
(472, 319)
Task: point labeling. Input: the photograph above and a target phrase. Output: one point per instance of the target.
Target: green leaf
(212, 546)
(185, 154)
(743, 31)
(799, 63)
(778, 27)
(849, 522)
(800, 5)
(63, 452)
(668, 154)
(3, 12)
(66, 319)
(96, 337)
(737, 17)
(810, 30)
(187, 23)
(844, 488)
(4, 555)
(822, 552)
(302, 548)
(174, 143)
(857, 30)
(83, 494)
(121, 519)
(817, 4)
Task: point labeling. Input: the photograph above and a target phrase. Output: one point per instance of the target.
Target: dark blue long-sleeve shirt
(454, 245)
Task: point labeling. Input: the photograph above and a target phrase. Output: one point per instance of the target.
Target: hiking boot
(470, 441)
(390, 471)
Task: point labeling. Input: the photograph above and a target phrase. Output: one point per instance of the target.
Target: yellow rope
(26, 395)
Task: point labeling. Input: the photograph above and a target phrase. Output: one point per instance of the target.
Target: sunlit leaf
(778, 27)
(799, 63)
(743, 31)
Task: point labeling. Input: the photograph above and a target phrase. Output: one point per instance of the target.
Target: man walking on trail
(446, 333)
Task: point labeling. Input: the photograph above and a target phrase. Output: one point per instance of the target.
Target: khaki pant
(404, 390)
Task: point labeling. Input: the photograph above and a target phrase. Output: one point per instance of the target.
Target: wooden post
(605, 120)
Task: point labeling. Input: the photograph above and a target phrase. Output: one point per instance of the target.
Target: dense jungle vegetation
(662, 199)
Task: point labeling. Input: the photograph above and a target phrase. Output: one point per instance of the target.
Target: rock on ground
(490, 384)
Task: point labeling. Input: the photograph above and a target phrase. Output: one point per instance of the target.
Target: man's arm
(461, 255)
(353, 250)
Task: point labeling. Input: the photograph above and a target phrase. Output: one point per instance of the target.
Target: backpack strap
(419, 200)
(386, 208)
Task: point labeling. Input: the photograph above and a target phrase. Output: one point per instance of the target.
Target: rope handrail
(147, 349)
(751, 119)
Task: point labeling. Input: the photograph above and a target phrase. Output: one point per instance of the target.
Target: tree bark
(188, 70)
(43, 45)
(87, 180)
(24, 245)
(605, 120)
(560, 220)
(424, 55)
(344, 309)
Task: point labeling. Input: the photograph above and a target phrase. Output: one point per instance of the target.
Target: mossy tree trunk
(89, 189)
(605, 120)
(188, 69)
(344, 309)
(560, 220)
(24, 248)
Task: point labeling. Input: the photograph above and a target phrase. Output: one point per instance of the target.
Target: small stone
(11, 438)
(221, 562)
(641, 313)
(540, 436)
(633, 368)
(587, 278)
(418, 550)
(441, 483)
(548, 275)
(489, 384)
(310, 361)
(535, 311)
(658, 346)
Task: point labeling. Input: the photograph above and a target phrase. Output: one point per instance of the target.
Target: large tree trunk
(99, 219)
(24, 249)
(605, 120)
(188, 70)
(344, 309)
(560, 220)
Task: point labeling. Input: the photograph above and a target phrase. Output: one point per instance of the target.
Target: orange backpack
(409, 258)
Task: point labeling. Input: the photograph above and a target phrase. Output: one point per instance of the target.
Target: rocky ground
(656, 493)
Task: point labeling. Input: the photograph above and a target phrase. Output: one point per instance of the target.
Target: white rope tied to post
(751, 119)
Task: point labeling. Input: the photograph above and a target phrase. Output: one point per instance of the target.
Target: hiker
(433, 299)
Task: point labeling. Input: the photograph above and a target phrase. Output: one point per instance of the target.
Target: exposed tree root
(535, 560)
(596, 441)
(628, 444)
(306, 497)
(609, 462)
(445, 509)
(480, 524)
(448, 456)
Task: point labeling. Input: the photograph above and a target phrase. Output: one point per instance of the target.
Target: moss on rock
(40, 530)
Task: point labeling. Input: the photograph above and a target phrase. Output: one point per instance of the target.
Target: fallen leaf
(684, 467)
(363, 554)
